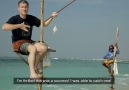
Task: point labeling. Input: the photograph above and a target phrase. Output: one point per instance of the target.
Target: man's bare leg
(108, 66)
(104, 64)
(31, 60)
(41, 49)
(110, 71)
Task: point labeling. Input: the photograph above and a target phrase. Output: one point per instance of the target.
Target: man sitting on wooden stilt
(109, 58)
(21, 26)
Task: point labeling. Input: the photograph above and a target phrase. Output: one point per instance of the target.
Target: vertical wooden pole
(42, 21)
(113, 67)
(41, 41)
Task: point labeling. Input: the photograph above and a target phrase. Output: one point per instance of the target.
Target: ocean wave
(124, 75)
(56, 58)
(76, 59)
(84, 89)
(22, 87)
(87, 59)
(53, 86)
(122, 81)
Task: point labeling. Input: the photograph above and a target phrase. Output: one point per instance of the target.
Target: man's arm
(54, 14)
(106, 56)
(22, 26)
(7, 26)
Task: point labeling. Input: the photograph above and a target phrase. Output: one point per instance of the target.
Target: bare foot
(32, 76)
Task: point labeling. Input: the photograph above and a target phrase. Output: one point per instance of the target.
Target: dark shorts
(24, 47)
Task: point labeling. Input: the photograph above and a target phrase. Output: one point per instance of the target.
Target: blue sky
(85, 29)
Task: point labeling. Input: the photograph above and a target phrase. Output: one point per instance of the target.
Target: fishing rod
(62, 8)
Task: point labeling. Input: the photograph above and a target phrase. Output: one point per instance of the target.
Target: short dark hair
(23, 1)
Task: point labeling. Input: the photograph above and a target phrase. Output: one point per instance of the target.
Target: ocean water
(11, 67)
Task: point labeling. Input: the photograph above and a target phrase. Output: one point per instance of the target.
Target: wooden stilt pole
(41, 41)
(22, 58)
(113, 68)
(113, 81)
(42, 21)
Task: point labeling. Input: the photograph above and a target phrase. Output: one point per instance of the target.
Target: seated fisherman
(21, 26)
(109, 57)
